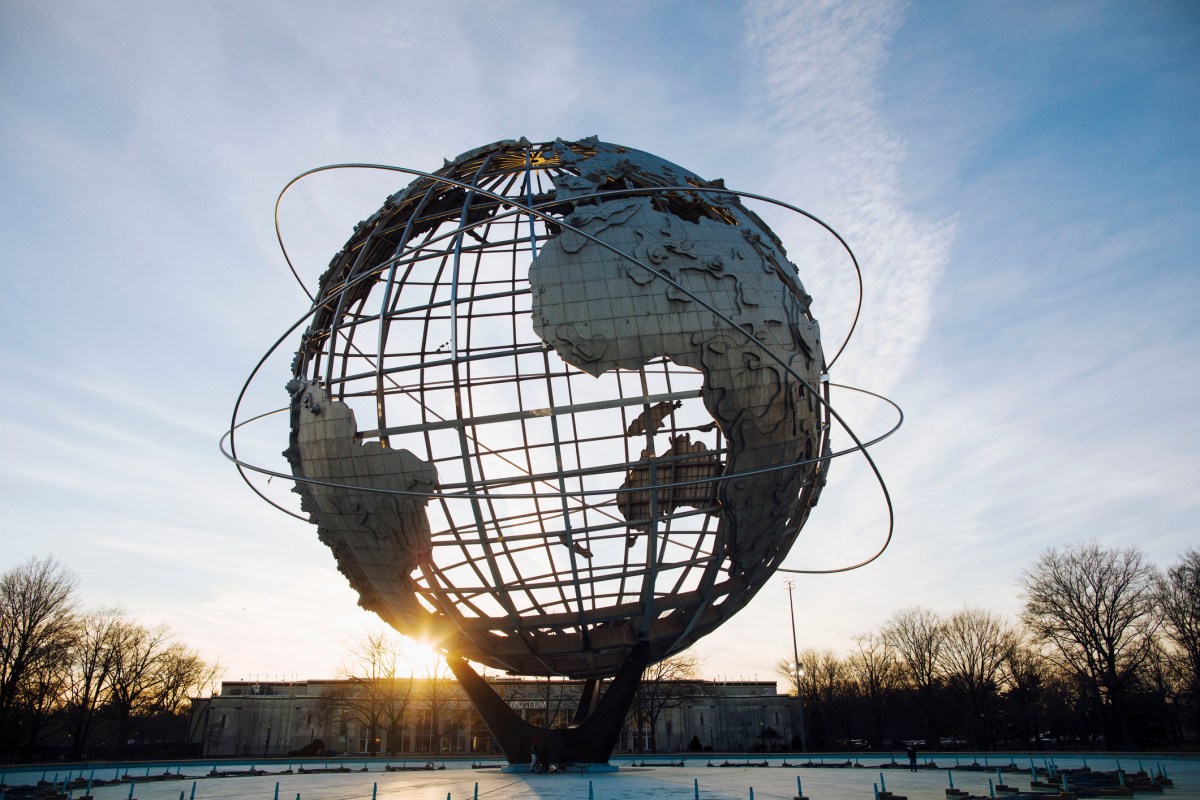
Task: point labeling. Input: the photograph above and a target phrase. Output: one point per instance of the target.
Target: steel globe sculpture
(561, 408)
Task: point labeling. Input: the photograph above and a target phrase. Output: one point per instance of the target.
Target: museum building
(434, 718)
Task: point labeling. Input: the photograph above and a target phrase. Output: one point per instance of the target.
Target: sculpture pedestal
(589, 740)
(588, 768)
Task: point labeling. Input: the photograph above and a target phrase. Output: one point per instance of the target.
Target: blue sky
(1018, 180)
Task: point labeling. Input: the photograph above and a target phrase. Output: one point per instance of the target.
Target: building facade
(434, 718)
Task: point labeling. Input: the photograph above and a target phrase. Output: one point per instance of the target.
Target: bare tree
(87, 686)
(441, 700)
(150, 676)
(917, 635)
(829, 676)
(1027, 676)
(665, 684)
(1179, 596)
(133, 674)
(1095, 609)
(40, 694)
(875, 670)
(36, 624)
(826, 686)
(976, 645)
(182, 673)
(1162, 693)
(395, 709)
(790, 671)
(787, 669)
(376, 692)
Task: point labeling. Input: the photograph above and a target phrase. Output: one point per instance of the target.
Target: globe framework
(556, 400)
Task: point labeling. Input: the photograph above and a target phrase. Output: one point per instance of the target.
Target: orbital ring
(536, 211)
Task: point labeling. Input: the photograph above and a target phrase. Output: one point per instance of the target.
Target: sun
(420, 657)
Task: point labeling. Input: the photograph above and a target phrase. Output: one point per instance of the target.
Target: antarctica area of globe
(557, 408)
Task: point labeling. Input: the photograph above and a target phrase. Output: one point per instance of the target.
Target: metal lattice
(502, 434)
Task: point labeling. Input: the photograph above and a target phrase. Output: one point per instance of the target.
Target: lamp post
(791, 584)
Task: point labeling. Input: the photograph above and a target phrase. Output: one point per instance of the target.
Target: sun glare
(423, 659)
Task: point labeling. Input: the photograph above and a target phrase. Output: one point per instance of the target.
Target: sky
(1020, 183)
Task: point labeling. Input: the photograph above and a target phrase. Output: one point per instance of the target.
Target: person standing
(912, 758)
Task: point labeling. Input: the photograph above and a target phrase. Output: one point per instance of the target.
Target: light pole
(791, 584)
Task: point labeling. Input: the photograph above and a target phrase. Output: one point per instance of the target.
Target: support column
(590, 739)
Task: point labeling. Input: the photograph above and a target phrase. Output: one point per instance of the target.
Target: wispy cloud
(833, 153)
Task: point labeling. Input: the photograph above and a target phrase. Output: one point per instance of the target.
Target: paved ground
(458, 782)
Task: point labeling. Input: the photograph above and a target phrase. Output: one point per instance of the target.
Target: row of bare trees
(1106, 653)
(77, 681)
(383, 694)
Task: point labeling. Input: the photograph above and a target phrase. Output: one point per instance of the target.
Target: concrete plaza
(459, 781)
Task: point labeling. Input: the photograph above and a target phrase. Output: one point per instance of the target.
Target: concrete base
(576, 768)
